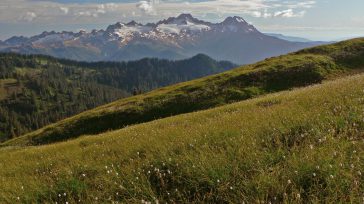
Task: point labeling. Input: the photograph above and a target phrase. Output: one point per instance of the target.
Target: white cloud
(303, 4)
(74, 13)
(28, 16)
(256, 14)
(266, 14)
(146, 7)
(86, 14)
(261, 14)
(289, 13)
(100, 9)
(95, 10)
(64, 10)
(111, 6)
(254, 8)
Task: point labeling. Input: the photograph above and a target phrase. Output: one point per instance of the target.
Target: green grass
(306, 67)
(300, 146)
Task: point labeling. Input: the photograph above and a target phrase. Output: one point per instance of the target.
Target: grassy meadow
(299, 146)
(303, 68)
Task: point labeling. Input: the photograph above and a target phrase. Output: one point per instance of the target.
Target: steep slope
(301, 146)
(38, 90)
(174, 38)
(298, 69)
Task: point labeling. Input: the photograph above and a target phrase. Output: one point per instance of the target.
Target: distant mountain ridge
(173, 38)
(289, 38)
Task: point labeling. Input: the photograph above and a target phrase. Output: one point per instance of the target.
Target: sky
(313, 19)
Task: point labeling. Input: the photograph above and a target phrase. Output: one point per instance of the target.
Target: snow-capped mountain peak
(182, 26)
(238, 24)
(171, 30)
(234, 20)
(172, 38)
(182, 20)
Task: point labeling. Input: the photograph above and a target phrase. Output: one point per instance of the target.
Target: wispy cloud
(146, 6)
(28, 16)
(72, 12)
(40, 15)
(64, 9)
(289, 13)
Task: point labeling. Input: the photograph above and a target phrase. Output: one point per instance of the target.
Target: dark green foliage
(38, 90)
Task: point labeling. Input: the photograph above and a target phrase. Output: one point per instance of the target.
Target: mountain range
(288, 38)
(180, 37)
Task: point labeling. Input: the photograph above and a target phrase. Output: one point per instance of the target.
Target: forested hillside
(38, 90)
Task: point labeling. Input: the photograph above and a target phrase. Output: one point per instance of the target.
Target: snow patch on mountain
(128, 31)
(189, 27)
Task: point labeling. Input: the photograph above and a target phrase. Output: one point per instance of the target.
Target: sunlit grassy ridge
(299, 69)
(297, 146)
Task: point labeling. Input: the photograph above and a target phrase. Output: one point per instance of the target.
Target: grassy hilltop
(299, 146)
(306, 67)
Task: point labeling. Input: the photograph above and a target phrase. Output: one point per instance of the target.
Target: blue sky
(314, 19)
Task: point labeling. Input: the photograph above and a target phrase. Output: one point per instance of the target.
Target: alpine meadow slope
(300, 146)
(302, 68)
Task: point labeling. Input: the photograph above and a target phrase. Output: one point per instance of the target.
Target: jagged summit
(133, 23)
(185, 16)
(234, 20)
(182, 19)
(117, 25)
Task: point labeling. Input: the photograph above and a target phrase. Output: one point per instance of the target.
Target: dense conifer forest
(38, 90)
